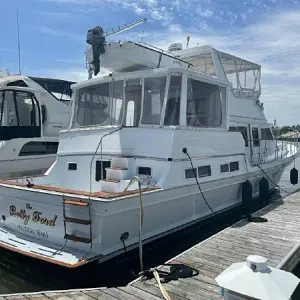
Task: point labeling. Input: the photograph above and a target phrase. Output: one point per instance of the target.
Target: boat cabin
(171, 97)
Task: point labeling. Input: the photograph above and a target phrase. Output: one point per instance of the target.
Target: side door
(20, 115)
(255, 141)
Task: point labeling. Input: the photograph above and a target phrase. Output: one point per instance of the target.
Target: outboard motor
(95, 38)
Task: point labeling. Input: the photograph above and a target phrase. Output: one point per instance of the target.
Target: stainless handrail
(95, 153)
(284, 146)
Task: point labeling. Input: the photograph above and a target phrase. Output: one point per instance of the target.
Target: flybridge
(243, 75)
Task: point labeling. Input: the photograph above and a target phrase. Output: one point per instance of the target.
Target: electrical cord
(276, 185)
(184, 150)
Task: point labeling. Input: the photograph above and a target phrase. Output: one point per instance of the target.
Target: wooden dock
(278, 240)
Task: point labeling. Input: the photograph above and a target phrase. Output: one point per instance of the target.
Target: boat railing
(157, 49)
(246, 93)
(262, 153)
(101, 153)
(166, 52)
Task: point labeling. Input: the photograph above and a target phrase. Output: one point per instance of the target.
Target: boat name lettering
(36, 216)
(36, 232)
(179, 63)
(28, 206)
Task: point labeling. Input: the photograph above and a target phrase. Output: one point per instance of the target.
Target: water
(22, 274)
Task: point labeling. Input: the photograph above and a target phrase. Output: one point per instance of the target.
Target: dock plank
(37, 297)
(98, 294)
(120, 294)
(16, 297)
(58, 296)
(131, 290)
(78, 295)
(278, 240)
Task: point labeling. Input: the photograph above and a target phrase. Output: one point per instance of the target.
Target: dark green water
(22, 274)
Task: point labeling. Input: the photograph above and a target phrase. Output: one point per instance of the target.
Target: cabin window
(255, 137)
(190, 173)
(133, 95)
(224, 168)
(205, 63)
(44, 113)
(266, 134)
(26, 109)
(204, 171)
(243, 75)
(154, 93)
(204, 106)
(173, 102)
(39, 148)
(20, 116)
(234, 166)
(243, 131)
(130, 114)
(72, 166)
(100, 104)
(18, 109)
(9, 110)
(144, 171)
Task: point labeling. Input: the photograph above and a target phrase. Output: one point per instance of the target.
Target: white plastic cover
(255, 279)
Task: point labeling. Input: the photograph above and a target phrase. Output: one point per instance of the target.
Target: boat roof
(52, 85)
(196, 56)
(17, 88)
(149, 73)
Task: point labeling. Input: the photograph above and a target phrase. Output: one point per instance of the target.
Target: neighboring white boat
(33, 111)
(177, 128)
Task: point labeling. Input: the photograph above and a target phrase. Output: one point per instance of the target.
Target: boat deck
(278, 240)
(77, 193)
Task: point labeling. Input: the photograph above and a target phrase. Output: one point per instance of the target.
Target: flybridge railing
(264, 151)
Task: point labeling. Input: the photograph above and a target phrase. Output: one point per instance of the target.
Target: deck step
(119, 162)
(76, 238)
(74, 202)
(117, 186)
(77, 221)
(111, 180)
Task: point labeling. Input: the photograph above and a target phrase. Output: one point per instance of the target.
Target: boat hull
(38, 216)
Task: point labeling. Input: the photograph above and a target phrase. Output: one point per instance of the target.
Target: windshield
(94, 106)
(60, 89)
(120, 103)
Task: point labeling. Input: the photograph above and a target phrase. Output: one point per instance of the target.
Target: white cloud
(139, 11)
(204, 13)
(175, 28)
(61, 33)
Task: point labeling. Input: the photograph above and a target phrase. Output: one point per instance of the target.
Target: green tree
(285, 129)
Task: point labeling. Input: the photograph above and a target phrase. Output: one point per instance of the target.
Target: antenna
(19, 48)
(187, 41)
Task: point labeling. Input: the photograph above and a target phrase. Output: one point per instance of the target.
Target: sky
(53, 34)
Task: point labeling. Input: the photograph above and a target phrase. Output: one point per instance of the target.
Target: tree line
(285, 129)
